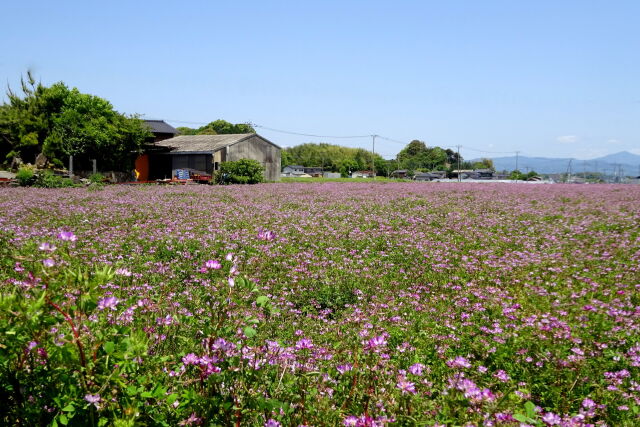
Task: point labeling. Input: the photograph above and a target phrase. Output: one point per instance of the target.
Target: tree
(331, 157)
(58, 122)
(243, 171)
(417, 156)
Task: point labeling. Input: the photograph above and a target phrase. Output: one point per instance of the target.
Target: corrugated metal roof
(201, 143)
(160, 126)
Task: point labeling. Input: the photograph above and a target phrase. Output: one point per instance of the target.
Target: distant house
(429, 176)
(160, 129)
(483, 174)
(315, 172)
(293, 171)
(203, 155)
(400, 173)
(297, 171)
(363, 174)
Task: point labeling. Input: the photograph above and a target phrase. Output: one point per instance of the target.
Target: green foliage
(519, 176)
(417, 156)
(218, 127)
(59, 122)
(243, 171)
(25, 176)
(47, 179)
(331, 157)
(96, 178)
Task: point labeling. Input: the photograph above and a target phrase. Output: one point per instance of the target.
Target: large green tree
(58, 122)
(417, 156)
(333, 158)
(218, 127)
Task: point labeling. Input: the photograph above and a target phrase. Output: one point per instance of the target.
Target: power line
(348, 137)
(309, 134)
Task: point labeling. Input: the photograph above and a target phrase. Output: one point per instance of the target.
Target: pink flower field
(313, 304)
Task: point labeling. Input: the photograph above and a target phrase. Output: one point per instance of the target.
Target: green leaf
(146, 395)
(521, 417)
(262, 300)
(249, 332)
(64, 420)
(109, 347)
(530, 407)
(68, 408)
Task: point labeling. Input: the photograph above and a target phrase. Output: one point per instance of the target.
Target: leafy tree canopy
(334, 158)
(218, 127)
(417, 156)
(58, 122)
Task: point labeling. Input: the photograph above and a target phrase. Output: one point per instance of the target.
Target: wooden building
(160, 129)
(203, 154)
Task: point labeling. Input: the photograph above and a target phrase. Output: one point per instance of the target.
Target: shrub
(47, 179)
(243, 171)
(25, 176)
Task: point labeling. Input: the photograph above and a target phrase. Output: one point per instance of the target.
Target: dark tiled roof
(160, 126)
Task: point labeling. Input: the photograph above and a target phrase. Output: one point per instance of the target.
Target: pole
(459, 179)
(95, 166)
(373, 157)
(70, 166)
(517, 155)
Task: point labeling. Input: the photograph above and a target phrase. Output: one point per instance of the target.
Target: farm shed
(203, 154)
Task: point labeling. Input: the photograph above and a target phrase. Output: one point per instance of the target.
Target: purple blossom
(190, 359)
(266, 235)
(108, 302)
(47, 247)
(48, 262)
(551, 419)
(304, 343)
(344, 368)
(272, 423)
(405, 386)
(67, 236)
(502, 376)
(416, 369)
(213, 264)
(459, 362)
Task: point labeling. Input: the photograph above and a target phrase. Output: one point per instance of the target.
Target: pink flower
(416, 369)
(551, 419)
(213, 264)
(459, 362)
(266, 235)
(407, 387)
(47, 247)
(67, 236)
(109, 302)
(48, 262)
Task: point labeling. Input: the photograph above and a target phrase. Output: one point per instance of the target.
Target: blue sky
(546, 78)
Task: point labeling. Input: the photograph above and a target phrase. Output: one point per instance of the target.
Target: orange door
(142, 167)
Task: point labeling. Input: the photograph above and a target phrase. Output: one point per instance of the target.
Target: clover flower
(67, 236)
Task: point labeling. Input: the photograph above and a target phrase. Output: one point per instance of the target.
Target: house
(363, 174)
(293, 171)
(297, 171)
(430, 176)
(483, 174)
(400, 173)
(160, 129)
(203, 154)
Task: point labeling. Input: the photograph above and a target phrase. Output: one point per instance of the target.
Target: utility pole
(373, 157)
(459, 179)
(517, 155)
(569, 171)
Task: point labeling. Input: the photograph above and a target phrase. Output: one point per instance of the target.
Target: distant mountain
(629, 162)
